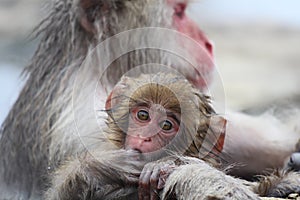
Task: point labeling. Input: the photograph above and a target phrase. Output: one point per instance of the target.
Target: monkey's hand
(153, 178)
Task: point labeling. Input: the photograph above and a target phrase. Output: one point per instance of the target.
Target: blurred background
(257, 48)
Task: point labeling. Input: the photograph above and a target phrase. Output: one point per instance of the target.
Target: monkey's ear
(114, 96)
(218, 127)
(108, 101)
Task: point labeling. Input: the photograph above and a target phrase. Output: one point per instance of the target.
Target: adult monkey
(31, 138)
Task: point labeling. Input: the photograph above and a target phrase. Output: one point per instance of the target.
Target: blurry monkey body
(265, 134)
(160, 117)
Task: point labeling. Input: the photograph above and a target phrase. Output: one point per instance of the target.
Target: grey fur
(204, 182)
(108, 174)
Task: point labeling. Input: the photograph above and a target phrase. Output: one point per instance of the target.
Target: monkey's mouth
(137, 150)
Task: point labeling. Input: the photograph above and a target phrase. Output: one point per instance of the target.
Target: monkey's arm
(105, 175)
(198, 180)
(257, 143)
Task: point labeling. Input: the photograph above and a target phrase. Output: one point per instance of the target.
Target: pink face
(201, 76)
(150, 128)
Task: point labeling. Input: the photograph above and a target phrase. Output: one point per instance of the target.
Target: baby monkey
(157, 112)
(153, 120)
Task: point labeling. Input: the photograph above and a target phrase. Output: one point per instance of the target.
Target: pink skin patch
(202, 75)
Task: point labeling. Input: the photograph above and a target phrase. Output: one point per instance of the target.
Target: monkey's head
(103, 19)
(155, 112)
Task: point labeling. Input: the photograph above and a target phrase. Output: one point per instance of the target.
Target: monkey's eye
(166, 125)
(143, 115)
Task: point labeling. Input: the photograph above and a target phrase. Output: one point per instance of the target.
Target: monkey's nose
(145, 139)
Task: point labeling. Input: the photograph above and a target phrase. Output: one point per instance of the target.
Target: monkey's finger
(161, 183)
(154, 177)
(132, 179)
(144, 183)
(164, 174)
(153, 183)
